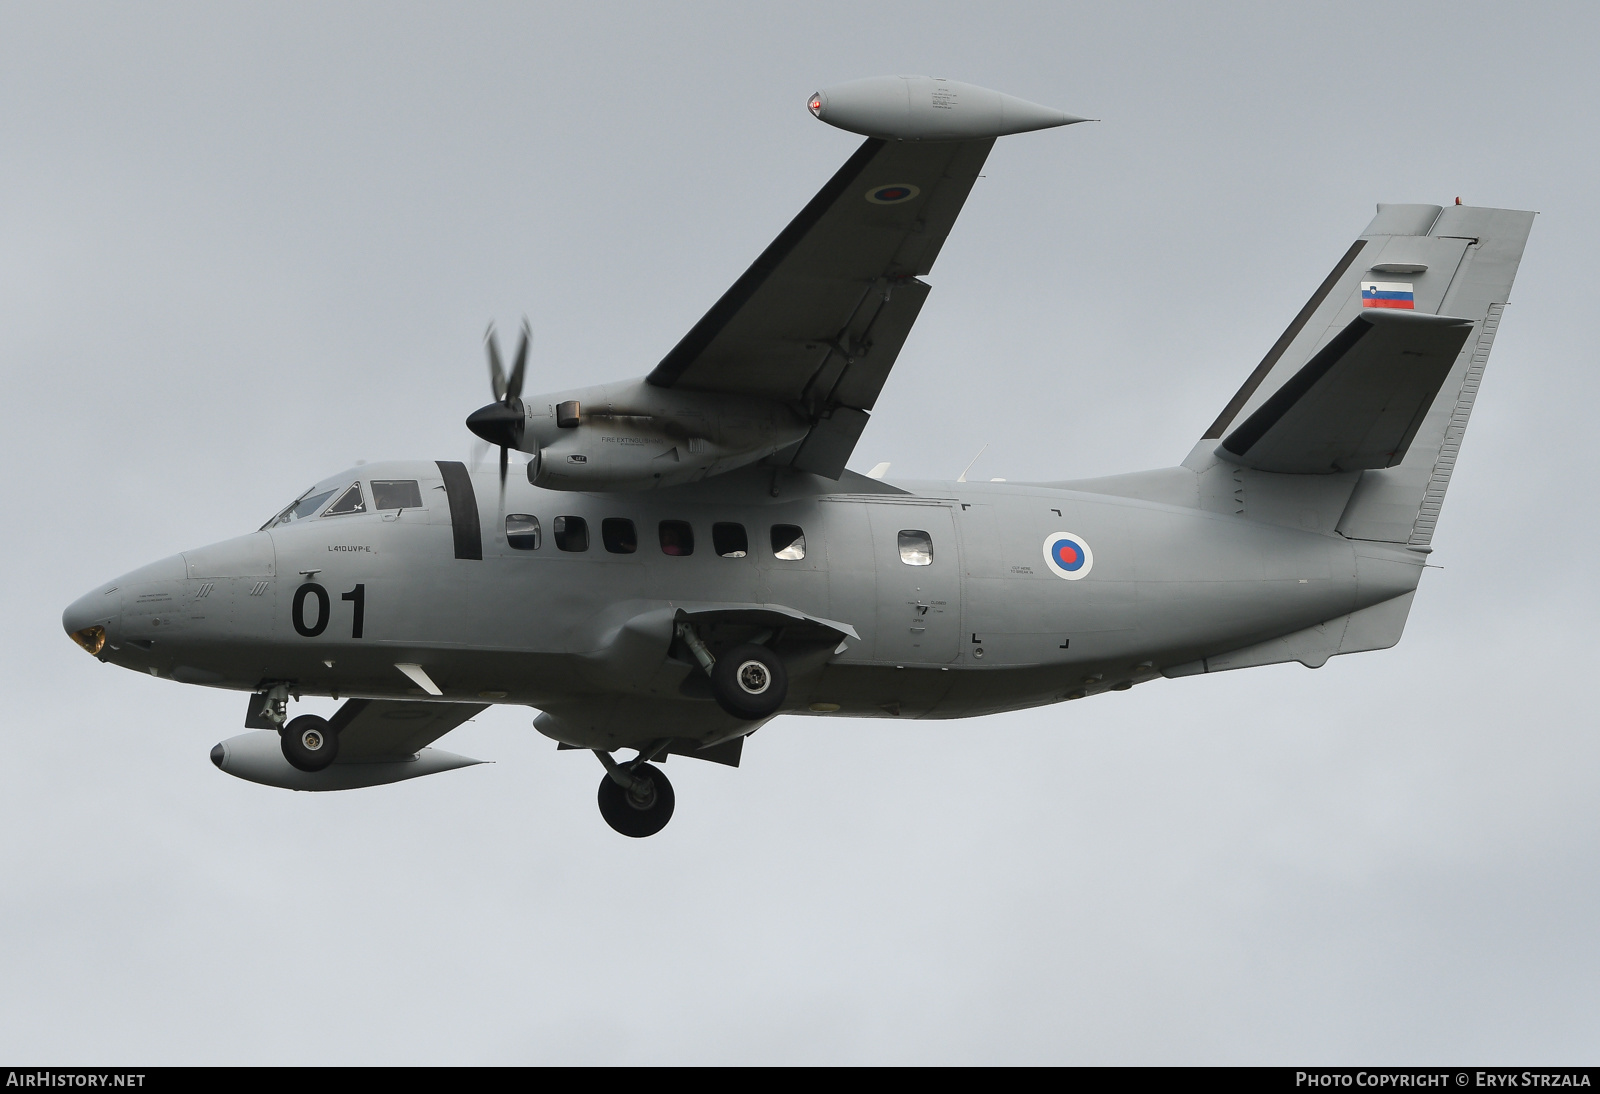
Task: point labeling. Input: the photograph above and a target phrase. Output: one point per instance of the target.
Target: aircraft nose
(96, 618)
(88, 617)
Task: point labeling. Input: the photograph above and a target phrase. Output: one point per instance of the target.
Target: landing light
(92, 639)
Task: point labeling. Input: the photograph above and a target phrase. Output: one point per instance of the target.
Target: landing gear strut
(635, 798)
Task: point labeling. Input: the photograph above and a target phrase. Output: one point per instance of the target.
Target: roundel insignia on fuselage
(1068, 555)
(893, 194)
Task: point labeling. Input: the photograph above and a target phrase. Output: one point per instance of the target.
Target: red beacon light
(815, 105)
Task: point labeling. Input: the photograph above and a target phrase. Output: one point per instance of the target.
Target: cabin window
(396, 494)
(729, 540)
(619, 535)
(916, 548)
(677, 537)
(571, 533)
(350, 502)
(788, 542)
(522, 529)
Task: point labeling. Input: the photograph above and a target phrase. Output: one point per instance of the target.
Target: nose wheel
(635, 798)
(309, 743)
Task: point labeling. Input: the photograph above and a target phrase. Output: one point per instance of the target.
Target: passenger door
(918, 583)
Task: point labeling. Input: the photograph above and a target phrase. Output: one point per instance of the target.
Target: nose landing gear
(309, 743)
(635, 798)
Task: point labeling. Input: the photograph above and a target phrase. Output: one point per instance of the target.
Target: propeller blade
(497, 372)
(514, 388)
(505, 458)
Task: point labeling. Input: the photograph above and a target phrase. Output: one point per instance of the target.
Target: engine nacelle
(632, 436)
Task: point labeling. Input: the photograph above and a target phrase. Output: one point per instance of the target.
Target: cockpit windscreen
(310, 503)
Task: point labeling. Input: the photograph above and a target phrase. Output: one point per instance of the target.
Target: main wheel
(308, 743)
(749, 682)
(633, 814)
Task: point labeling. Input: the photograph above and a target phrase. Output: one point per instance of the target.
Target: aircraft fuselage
(955, 608)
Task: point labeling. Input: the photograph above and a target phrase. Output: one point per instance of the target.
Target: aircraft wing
(1359, 400)
(377, 730)
(818, 319)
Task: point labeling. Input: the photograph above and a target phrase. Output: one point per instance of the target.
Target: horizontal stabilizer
(1358, 402)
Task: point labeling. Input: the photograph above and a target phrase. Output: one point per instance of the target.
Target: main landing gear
(635, 798)
(748, 681)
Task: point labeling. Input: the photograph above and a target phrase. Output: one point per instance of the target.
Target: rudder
(1401, 504)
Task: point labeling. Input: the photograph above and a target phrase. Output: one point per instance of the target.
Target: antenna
(981, 451)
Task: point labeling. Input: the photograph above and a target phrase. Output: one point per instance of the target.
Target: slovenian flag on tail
(1387, 294)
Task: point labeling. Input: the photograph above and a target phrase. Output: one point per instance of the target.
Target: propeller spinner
(501, 422)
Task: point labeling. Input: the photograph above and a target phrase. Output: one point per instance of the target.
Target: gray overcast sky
(243, 246)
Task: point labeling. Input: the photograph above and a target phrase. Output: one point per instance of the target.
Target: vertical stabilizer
(1367, 392)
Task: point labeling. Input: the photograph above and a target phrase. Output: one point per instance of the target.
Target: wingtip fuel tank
(256, 757)
(923, 108)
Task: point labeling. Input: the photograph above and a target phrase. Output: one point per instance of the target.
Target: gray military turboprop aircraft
(689, 557)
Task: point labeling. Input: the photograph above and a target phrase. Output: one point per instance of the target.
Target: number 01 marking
(357, 597)
(297, 610)
(312, 591)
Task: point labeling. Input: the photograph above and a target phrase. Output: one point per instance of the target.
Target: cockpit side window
(396, 494)
(350, 502)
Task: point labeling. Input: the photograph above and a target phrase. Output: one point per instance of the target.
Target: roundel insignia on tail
(893, 194)
(1067, 555)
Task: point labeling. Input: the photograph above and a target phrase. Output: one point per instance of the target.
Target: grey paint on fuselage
(985, 627)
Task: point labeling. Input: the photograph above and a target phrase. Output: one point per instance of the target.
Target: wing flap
(1358, 402)
(827, 448)
(862, 359)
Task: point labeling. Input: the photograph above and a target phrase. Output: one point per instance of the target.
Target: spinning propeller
(501, 422)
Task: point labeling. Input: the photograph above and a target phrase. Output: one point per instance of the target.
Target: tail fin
(1347, 389)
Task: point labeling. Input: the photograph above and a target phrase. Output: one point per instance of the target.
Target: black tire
(632, 815)
(749, 682)
(309, 743)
